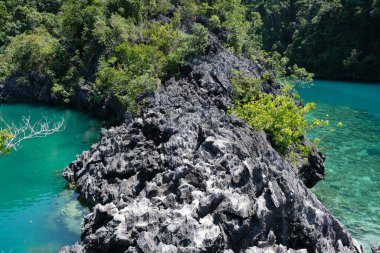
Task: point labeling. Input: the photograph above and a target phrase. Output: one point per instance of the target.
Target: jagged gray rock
(185, 176)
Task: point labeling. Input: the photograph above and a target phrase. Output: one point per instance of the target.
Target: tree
(331, 38)
(13, 135)
(28, 52)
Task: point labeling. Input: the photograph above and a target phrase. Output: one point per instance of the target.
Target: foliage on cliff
(279, 115)
(119, 48)
(333, 39)
(124, 49)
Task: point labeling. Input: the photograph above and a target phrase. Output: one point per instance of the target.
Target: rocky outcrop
(312, 169)
(185, 176)
(38, 91)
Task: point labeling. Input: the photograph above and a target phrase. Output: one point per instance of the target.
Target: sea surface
(38, 214)
(351, 189)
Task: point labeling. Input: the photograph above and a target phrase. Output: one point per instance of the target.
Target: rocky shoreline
(185, 176)
(38, 91)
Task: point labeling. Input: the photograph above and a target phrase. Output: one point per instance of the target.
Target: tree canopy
(331, 38)
(124, 49)
(119, 48)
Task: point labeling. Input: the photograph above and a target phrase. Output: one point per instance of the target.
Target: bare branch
(28, 130)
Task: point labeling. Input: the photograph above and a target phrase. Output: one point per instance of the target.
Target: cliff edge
(185, 176)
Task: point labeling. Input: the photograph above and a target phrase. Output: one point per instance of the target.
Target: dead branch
(28, 130)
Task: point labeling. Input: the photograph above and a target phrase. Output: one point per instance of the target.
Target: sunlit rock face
(185, 176)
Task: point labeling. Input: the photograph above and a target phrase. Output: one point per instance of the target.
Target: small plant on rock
(278, 115)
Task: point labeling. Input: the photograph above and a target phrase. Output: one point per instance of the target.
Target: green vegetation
(5, 136)
(28, 52)
(124, 49)
(278, 115)
(331, 38)
(115, 46)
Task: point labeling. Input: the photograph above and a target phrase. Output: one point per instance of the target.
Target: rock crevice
(185, 176)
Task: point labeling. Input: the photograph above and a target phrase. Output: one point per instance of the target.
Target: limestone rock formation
(185, 176)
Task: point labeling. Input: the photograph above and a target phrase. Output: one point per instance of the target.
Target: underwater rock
(72, 214)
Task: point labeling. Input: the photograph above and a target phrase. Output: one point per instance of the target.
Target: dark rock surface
(375, 249)
(312, 169)
(38, 91)
(185, 176)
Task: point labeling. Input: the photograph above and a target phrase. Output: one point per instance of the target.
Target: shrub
(155, 7)
(165, 37)
(131, 71)
(139, 59)
(244, 88)
(237, 28)
(279, 116)
(187, 47)
(3, 14)
(29, 52)
(132, 68)
(233, 16)
(188, 8)
(199, 39)
(71, 20)
(61, 92)
(134, 92)
(214, 22)
(116, 30)
(127, 8)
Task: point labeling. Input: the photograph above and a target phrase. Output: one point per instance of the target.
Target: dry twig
(28, 130)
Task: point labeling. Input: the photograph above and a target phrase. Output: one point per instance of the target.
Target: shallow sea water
(351, 190)
(37, 213)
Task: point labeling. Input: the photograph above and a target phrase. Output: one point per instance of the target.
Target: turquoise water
(37, 213)
(351, 190)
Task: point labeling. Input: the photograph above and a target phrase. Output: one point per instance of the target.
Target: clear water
(37, 213)
(351, 190)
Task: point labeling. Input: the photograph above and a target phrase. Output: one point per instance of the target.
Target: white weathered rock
(186, 176)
